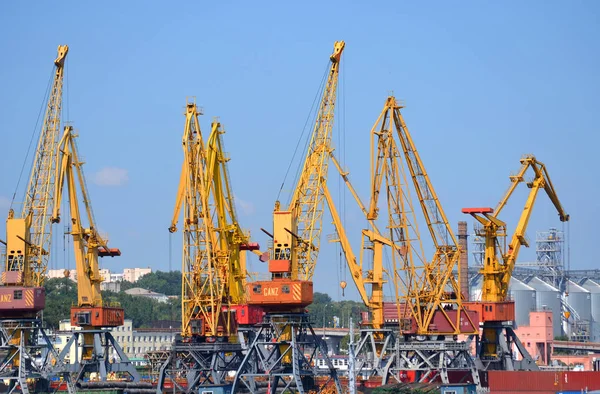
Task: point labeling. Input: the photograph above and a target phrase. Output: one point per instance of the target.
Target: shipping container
(246, 314)
(440, 323)
(542, 381)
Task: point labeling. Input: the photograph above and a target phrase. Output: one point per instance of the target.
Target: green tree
(61, 294)
(168, 283)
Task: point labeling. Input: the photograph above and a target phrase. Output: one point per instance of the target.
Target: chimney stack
(463, 263)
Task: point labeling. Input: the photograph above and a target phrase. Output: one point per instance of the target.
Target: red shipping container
(543, 381)
(246, 314)
(439, 323)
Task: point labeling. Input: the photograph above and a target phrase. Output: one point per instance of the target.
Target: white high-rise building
(133, 274)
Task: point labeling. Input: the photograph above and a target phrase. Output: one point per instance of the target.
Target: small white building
(139, 292)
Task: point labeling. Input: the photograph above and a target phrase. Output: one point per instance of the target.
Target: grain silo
(524, 297)
(548, 298)
(594, 289)
(475, 285)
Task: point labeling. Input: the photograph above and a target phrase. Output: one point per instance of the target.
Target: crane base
(27, 353)
(95, 354)
(494, 349)
(284, 353)
(444, 361)
(199, 364)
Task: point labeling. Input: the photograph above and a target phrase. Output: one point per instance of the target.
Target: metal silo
(580, 299)
(475, 287)
(524, 297)
(594, 289)
(548, 297)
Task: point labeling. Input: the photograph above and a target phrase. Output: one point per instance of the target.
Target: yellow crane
(296, 243)
(213, 265)
(495, 308)
(91, 312)
(214, 245)
(428, 303)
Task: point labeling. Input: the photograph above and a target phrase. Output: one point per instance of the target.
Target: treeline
(168, 283)
(61, 294)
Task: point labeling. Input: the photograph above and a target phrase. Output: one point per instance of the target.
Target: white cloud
(4, 204)
(111, 176)
(246, 207)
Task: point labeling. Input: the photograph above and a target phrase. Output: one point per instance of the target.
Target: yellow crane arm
(540, 181)
(39, 194)
(307, 201)
(233, 239)
(437, 222)
(355, 268)
(193, 148)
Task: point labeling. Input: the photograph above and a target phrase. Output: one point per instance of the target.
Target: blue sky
(484, 83)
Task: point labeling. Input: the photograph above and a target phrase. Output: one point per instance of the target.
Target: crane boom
(308, 200)
(233, 238)
(39, 194)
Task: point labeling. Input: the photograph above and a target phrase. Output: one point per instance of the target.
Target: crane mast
(497, 311)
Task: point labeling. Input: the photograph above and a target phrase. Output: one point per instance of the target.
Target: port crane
(28, 240)
(214, 263)
(100, 353)
(428, 304)
(286, 333)
(497, 311)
